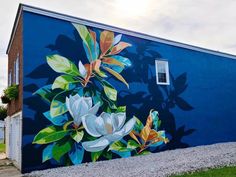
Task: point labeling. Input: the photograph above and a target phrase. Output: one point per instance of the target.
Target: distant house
(2, 125)
(89, 92)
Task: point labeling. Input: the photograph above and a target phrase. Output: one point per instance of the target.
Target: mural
(84, 110)
(91, 95)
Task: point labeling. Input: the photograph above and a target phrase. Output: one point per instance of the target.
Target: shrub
(11, 92)
(3, 112)
(5, 99)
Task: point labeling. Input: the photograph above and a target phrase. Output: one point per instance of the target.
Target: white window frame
(10, 78)
(17, 70)
(166, 63)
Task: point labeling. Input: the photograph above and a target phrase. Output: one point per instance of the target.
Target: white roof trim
(110, 28)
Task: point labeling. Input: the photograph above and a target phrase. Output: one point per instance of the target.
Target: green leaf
(61, 64)
(95, 155)
(118, 146)
(111, 93)
(107, 155)
(77, 135)
(89, 41)
(63, 82)
(49, 135)
(61, 148)
(58, 106)
(117, 75)
(121, 109)
(138, 125)
(145, 152)
(132, 144)
(46, 93)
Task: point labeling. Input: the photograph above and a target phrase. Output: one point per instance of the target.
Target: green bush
(3, 112)
(11, 92)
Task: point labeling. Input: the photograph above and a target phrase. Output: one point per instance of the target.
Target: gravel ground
(157, 164)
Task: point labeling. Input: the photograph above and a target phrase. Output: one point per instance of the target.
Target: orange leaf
(106, 40)
(96, 68)
(119, 47)
(117, 75)
(145, 133)
(152, 135)
(149, 121)
(89, 72)
(96, 65)
(112, 61)
(132, 134)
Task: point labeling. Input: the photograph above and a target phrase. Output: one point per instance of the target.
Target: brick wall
(15, 49)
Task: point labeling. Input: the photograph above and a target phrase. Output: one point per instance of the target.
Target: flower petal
(90, 125)
(129, 126)
(100, 126)
(118, 120)
(82, 69)
(94, 109)
(89, 102)
(96, 145)
(68, 106)
(122, 132)
(108, 122)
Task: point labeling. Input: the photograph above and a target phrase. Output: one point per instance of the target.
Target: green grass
(217, 172)
(2, 147)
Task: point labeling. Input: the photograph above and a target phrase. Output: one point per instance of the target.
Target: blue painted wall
(197, 108)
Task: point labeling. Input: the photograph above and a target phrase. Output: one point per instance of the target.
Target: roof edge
(15, 25)
(36, 10)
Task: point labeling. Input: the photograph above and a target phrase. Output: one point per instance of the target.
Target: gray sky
(205, 23)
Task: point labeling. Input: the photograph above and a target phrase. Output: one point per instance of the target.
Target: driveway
(6, 167)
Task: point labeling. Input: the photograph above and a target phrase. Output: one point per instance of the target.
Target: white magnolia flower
(109, 127)
(80, 106)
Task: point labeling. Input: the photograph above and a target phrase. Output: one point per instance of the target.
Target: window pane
(162, 72)
(162, 77)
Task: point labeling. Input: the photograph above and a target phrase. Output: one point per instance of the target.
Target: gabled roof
(27, 8)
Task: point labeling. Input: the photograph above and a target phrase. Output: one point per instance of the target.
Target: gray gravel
(157, 164)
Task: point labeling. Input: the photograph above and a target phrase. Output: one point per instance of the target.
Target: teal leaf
(77, 135)
(123, 154)
(110, 92)
(50, 134)
(122, 59)
(116, 68)
(64, 82)
(95, 155)
(155, 119)
(76, 154)
(58, 106)
(132, 144)
(47, 152)
(58, 121)
(61, 148)
(61, 64)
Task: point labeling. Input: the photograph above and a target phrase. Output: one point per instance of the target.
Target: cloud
(205, 23)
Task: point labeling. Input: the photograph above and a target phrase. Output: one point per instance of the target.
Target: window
(162, 72)
(17, 71)
(9, 79)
